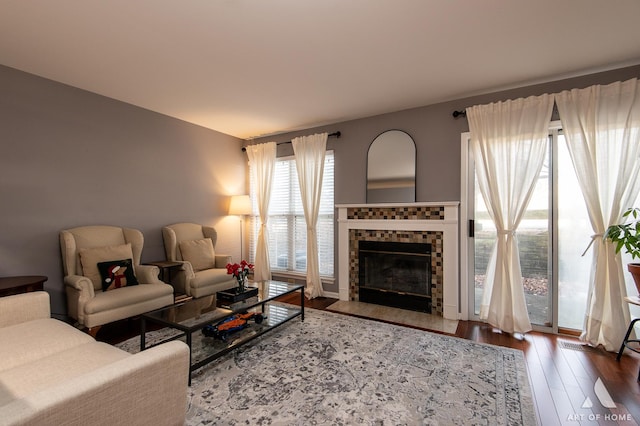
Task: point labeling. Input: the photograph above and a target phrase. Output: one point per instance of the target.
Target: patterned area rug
(338, 370)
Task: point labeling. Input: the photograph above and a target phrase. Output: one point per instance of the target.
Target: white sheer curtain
(509, 141)
(309, 153)
(262, 158)
(601, 126)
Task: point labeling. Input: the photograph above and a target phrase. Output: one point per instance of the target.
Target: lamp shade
(240, 205)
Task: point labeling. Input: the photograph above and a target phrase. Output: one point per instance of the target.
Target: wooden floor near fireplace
(562, 371)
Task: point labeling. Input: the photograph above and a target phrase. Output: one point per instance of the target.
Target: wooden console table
(22, 284)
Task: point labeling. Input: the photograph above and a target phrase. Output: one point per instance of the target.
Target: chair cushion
(90, 257)
(199, 253)
(126, 296)
(116, 274)
(211, 281)
(211, 276)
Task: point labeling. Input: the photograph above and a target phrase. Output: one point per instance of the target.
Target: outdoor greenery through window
(286, 224)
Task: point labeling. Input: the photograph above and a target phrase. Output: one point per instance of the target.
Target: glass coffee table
(187, 320)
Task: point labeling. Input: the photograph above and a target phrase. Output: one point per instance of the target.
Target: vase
(634, 269)
(242, 283)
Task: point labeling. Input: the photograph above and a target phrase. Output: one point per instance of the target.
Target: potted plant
(627, 235)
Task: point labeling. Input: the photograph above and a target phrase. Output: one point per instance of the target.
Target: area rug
(338, 370)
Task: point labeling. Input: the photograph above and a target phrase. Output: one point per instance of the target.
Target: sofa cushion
(90, 257)
(37, 339)
(148, 388)
(199, 253)
(116, 274)
(50, 370)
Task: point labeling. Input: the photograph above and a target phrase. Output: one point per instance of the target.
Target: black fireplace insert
(395, 274)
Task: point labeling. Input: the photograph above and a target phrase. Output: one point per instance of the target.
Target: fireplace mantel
(439, 217)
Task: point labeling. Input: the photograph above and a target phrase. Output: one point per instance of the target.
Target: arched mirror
(391, 168)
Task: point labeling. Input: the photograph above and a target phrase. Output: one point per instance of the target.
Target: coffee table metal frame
(270, 291)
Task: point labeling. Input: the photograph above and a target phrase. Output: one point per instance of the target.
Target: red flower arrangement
(240, 272)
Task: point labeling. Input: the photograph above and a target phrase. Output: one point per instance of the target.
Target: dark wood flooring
(562, 372)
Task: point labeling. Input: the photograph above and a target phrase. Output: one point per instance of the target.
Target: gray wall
(72, 158)
(437, 137)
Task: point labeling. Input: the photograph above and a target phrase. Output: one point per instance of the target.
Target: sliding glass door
(574, 236)
(534, 242)
(552, 236)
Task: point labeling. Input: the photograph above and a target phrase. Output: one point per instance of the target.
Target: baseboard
(331, 294)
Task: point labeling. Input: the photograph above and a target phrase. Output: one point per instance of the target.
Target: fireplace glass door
(395, 274)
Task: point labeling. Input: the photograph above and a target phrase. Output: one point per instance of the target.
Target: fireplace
(396, 274)
(434, 224)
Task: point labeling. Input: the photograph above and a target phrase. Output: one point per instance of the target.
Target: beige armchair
(104, 280)
(203, 272)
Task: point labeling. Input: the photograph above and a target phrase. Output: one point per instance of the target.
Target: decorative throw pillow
(117, 274)
(199, 253)
(90, 257)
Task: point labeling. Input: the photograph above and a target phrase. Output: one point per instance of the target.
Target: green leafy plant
(627, 234)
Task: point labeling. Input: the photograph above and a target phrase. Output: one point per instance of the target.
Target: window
(286, 223)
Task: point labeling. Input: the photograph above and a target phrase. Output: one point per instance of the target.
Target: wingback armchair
(203, 271)
(103, 277)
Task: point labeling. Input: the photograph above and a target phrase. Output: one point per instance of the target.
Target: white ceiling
(255, 67)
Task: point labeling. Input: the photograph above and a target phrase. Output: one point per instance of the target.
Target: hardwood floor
(562, 371)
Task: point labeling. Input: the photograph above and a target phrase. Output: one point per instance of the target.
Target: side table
(165, 269)
(165, 275)
(21, 284)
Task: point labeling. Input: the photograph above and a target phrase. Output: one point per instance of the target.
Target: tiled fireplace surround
(432, 223)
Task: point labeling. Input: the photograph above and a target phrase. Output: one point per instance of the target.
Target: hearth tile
(395, 315)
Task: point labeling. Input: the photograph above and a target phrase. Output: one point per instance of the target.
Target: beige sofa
(53, 374)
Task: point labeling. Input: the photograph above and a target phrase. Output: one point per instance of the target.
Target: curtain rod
(463, 112)
(334, 134)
